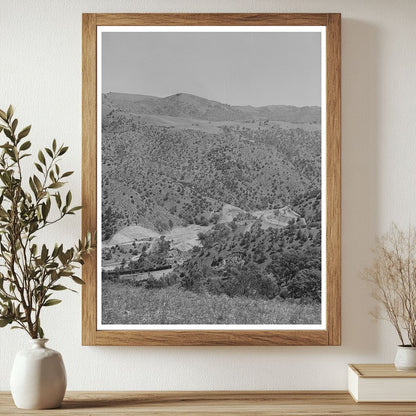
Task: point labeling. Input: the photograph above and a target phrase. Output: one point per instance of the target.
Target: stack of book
(381, 383)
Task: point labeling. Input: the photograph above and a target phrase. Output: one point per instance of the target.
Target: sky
(249, 68)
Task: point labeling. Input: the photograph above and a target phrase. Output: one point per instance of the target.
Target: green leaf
(44, 253)
(58, 199)
(68, 198)
(62, 257)
(59, 287)
(51, 302)
(33, 187)
(10, 112)
(34, 249)
(38, 183)
(8, 133)
(24, 133)
(45, 211)
(49, 151)
(3, 116)
(41, 157)
(5, 321)
(63, 150)
(56, 185)
(55, 251)
(25, 145)
(14, 125)
(40, 332)
(76, 279)
(39, 167)
(54, 145)
(67, 174)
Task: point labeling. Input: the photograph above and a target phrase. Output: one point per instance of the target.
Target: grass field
(126, 304)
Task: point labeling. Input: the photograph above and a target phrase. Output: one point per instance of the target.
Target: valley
(210, 198)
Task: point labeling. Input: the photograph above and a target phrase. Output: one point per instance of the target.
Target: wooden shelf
(212, 403)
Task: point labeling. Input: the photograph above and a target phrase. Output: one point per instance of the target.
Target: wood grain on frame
(212, 19)
(89, 173)
(333, 181)
(332, 334)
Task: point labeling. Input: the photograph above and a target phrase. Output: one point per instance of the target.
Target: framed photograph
(211, 172)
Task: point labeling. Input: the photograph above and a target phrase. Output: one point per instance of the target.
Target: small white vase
(38, 378)
(405, 358)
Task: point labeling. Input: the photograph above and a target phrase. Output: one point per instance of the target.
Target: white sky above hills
(234, 68)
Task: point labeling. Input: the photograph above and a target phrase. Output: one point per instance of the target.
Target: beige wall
(40, 73)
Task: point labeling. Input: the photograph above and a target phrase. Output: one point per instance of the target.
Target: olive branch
(30, 274)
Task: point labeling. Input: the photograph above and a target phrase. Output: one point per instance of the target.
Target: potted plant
(31, 273)
(393, 277)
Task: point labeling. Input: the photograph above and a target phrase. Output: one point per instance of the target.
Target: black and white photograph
(211, 178)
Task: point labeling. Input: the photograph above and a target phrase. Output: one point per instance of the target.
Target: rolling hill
(191, 106)
(228, 196)
(160, 173)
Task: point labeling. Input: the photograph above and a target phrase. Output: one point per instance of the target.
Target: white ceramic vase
(38, 378)
(405, 358)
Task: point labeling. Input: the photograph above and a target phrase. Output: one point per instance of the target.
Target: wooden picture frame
(331, 335)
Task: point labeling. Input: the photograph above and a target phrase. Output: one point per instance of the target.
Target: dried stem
(393, 276)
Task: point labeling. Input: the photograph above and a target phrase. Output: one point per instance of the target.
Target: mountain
(165, 164)
(223, 199)
(192, 106)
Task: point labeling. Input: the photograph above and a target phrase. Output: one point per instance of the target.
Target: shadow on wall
(360, 180)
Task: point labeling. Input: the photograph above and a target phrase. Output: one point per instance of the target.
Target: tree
(306, 283)
(285, 266)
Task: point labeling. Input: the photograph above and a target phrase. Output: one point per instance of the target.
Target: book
(381, 383)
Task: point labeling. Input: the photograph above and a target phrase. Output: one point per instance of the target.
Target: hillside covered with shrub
(226, 199)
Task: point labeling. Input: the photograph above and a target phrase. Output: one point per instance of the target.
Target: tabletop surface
(212, 403)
